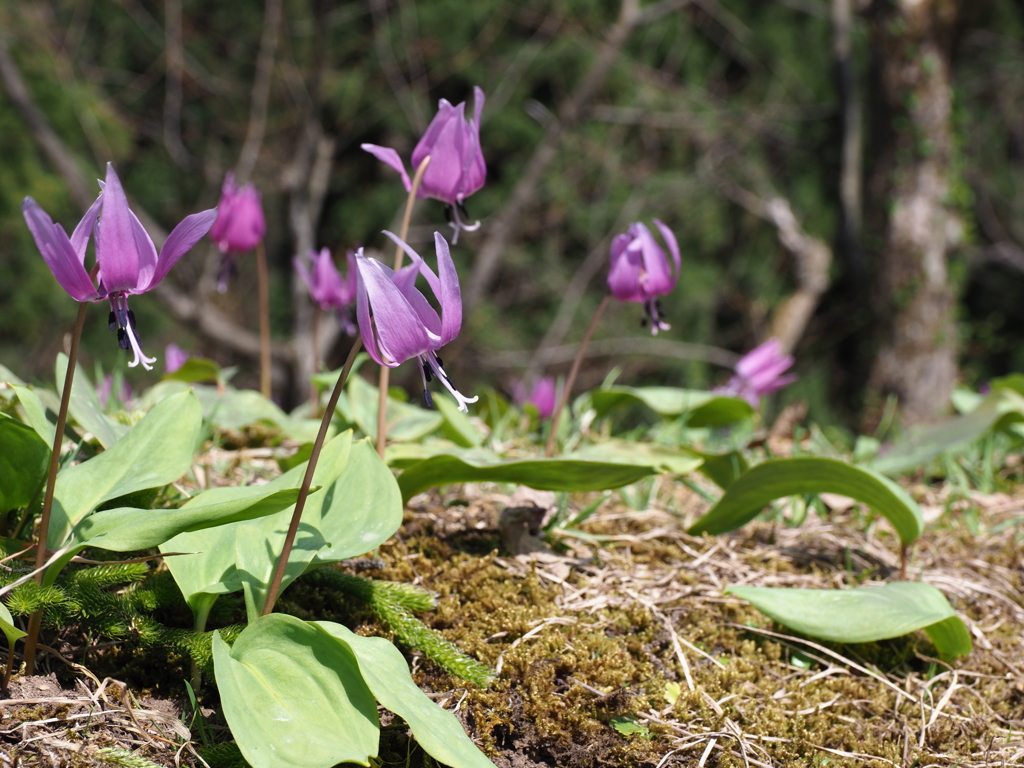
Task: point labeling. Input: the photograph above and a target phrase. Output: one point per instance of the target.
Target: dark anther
(462, 207)
(112, 321)
(427, 399)
(131, 318)
(122, 339)
(643, 321)
(427, 375)
(440, 362)
(449, 216)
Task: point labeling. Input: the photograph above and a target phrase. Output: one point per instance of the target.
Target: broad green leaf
(778, 478)
(701, 408)
(7, 375)
(7, 627)
(126, 529)
(563, 473)
(213, 570)
(386, 673)
(920, 445)
(363, 509)
(659, 457)
(84, 406)
(404, 455)
(864, 614)
(35, 414)
(237, 408)
(723, 469)
(24, 460)
(195, 370)
(157, 451)
(294, 696)
(457, 426)
(405, 422)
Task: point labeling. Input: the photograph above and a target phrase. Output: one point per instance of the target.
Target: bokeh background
(845, 174)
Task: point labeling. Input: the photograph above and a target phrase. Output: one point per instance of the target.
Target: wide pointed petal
(400, 333)
(365, 323)
(474, 170)
(759, 357)
(425, 146)
(390, 157)
(80, 237)
(658, 280)
(443, 177)
(624, 276)
(58, 253)
(673, 248)
(181, 240)
(449, 296)
(117, 249)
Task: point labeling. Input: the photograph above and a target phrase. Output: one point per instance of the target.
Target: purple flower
(640, 271)
(126, 259)
(457, 167)
(326, 285)
(759, 373)
(240, 225)
(174, 358)
(403, 324)
(543, 395)
(106, 387)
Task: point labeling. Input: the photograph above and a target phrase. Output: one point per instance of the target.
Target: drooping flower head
(240, 225)
(457, 167)
(126, 259)
(641, 272)
(174, 358)
(327, 287)
(759, 373)
(397, 322)
(543, 395)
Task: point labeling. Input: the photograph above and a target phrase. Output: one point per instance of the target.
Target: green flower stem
(35, 620)
(567, 389)
(307, 480)
(263, 291)
(385, 372)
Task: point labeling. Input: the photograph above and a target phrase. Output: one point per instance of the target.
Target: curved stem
(567, 389)
(263, 289)
(32, 639)
(307, 480)
(385, 372)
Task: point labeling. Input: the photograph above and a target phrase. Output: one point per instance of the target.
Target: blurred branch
(260, 92)
(646, 346)
(389, 63)
(501, 227)
(55, 150)
(811, 254)
(203, 317)
(174, 66)
(852, 144)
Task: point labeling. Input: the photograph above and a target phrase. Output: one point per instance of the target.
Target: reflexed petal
(619, 245)
(450, 296)
(58, 253)
(80, 237)
(117, 247)
(425, 146)
(363, 318)
(400, 333)
(181, 240)
(673, 248)
(443, 177)
(759, 357)
(390, 157)
(474, 171)
(659, 276)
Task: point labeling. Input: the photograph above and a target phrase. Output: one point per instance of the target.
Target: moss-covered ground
(619, 648)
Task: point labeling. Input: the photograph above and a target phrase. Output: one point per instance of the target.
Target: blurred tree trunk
(916, 359)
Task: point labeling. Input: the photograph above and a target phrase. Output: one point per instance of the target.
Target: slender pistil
(35, 620)
(385, 372)
(567, 389)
